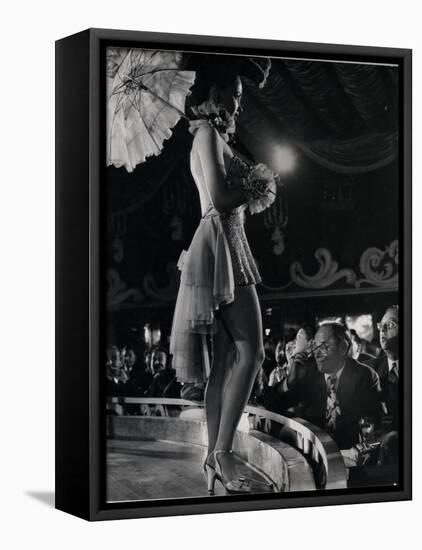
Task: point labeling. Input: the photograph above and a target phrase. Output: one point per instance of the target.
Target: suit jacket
(140, 381)
(365, 359)
(358, 394)
(389, 390)
(164, 384)
(115, 388)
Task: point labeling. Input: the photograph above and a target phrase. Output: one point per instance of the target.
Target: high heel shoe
(206, 463)
(238, 485)
(209, 472)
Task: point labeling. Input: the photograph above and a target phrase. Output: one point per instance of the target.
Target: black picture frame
(80, 423)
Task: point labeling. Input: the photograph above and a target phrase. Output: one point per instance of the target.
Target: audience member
(304, 339)
(268, 363)
(388, 369)
(147, 361)
(358, 349)
(387, 364)
(128, 359)
(140, 374)
(164, 382)
(116, 384)
(283, 356)
(259, 387)
(335, 392)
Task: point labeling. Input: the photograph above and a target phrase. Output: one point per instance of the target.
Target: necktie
(395, 369)
(333, 407)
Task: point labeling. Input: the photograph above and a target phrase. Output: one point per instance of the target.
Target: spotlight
(283, 159)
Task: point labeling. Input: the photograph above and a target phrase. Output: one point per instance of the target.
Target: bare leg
(244, 319)
(223, 358)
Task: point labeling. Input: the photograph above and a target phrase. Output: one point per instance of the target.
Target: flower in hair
(217, 117)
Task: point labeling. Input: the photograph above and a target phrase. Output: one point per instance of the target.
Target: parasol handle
(143, 87)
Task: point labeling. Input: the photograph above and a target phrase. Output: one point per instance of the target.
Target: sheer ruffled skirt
(206, 284)
(218, 259)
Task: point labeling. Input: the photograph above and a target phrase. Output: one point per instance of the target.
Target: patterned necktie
(395, 369)
(333, 407)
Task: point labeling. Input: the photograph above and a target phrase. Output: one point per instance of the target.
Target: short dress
(218, 259)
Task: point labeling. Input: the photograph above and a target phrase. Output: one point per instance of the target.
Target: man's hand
(300, 358)
(350, 457)
(357, 455)
(297, 368)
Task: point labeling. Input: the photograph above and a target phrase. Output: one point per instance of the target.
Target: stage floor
(142, 470)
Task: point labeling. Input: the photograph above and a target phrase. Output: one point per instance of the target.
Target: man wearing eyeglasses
(387, 364)
(388, 368)
(335, 391)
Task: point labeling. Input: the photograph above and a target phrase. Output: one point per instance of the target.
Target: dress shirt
(391, 363)
(338, 374)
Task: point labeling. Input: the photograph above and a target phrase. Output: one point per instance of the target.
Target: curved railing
(314, 444)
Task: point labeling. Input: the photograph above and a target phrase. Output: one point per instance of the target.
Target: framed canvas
(233, 316)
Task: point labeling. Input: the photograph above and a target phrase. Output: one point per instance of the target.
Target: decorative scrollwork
(380, 267)
(117, 227)
(177, 204)
(276, 218)
(118, 250)
(176, 225)
(327, 274)
(117, 293)
(163, 294)
(277, 237)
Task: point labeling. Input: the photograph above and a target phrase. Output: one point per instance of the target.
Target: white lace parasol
(146, 92)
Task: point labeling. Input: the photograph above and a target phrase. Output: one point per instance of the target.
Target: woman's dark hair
(309, 331)
(287, 341)
(221, 71)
